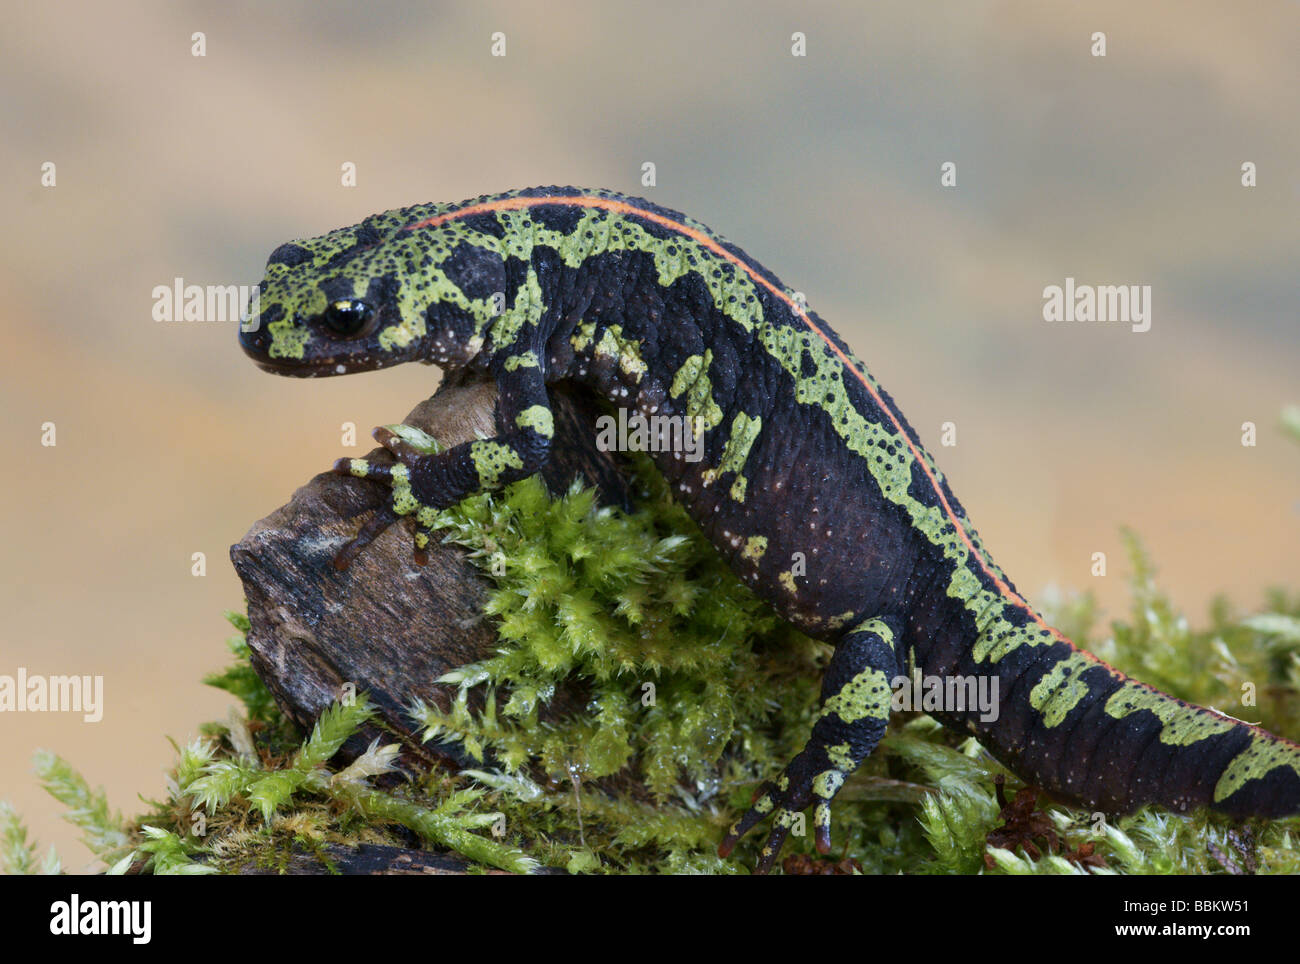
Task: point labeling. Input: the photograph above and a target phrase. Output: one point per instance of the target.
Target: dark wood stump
(373, 860)
(385, 625)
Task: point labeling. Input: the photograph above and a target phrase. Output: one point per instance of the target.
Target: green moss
(691, 692)
(673, 654)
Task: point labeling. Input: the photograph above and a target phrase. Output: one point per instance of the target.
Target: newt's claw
(399, 446)
(799, 785)
(402, 500)
(763, 804)
(364, 469)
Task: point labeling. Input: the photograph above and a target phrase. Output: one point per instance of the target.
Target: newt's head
(372, 296)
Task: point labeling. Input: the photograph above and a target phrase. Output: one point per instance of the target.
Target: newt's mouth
(257, 345)
(295, 369)
(318, 367)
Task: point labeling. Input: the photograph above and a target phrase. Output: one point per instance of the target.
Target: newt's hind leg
(855, 711)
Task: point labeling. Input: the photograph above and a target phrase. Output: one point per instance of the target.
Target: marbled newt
(811, 483)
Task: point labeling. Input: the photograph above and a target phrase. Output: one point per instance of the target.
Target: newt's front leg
(422, 484)
(855, 712)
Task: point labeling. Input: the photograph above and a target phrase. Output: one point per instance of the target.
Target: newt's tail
(1086, 733)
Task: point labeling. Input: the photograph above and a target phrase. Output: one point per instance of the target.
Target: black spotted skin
(811, 483)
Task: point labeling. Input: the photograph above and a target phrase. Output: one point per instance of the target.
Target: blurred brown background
(1123, 169)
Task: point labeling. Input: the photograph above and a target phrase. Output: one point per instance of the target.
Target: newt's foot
(402, 500)
(784, 801)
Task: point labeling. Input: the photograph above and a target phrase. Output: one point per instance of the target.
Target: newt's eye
(346, 318)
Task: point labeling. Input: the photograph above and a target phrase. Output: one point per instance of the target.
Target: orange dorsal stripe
(704, 240)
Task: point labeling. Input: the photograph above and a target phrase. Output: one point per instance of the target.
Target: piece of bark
(386, 625)
(376, 859)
